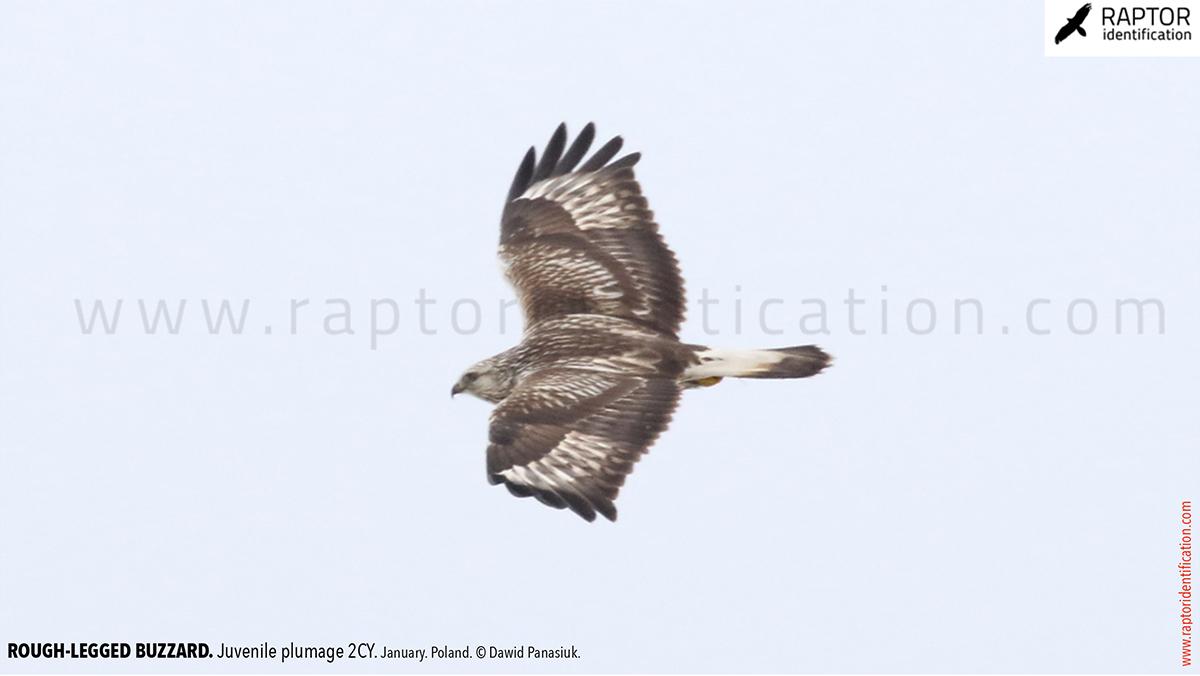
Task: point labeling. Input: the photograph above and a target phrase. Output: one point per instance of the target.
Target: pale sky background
(943, 502)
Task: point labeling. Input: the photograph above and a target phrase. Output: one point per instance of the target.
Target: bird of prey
(1074, 23)
(600, 367)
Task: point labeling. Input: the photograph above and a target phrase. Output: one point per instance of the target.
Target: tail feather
(786, 362)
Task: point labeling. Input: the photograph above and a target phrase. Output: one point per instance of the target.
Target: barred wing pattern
(569, 437)
(584, 241)
(600, 368)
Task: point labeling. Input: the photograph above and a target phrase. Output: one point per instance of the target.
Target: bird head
(485, 380)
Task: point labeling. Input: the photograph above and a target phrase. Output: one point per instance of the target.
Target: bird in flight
(1074, 23)
(600, 367)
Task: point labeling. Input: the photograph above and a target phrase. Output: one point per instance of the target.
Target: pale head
(490, 380)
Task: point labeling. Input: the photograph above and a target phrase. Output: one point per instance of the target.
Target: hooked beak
(457, 389)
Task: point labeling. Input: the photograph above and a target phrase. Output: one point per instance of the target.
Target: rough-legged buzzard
(599, 371)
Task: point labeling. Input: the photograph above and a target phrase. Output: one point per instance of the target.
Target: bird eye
(471, 377)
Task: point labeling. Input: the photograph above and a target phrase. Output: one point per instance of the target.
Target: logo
(1122, 28)
(1074, 23)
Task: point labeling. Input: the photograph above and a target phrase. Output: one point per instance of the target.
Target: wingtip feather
(524, 172)
(602, 156)
(627, 161)
(552, 154)
(577, 150)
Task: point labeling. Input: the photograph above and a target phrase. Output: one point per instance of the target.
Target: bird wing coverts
(569, 437)
(584, 241)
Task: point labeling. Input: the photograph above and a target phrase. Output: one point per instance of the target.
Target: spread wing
(570, 437)
(583, 240)
(1081, 14)
(1064, 32)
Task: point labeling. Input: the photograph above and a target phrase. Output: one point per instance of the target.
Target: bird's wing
(569, 437)
(1064, 32)
(1081, 14)
(583, 240)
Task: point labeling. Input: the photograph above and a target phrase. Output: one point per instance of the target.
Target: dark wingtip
(577, 150)
(521, 181)
(555, 162)
(550, 157)
(602, 156)
(627, 161)
(607, 508)
(578, 504)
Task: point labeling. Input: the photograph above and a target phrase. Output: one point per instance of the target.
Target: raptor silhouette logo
(1074, 23)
